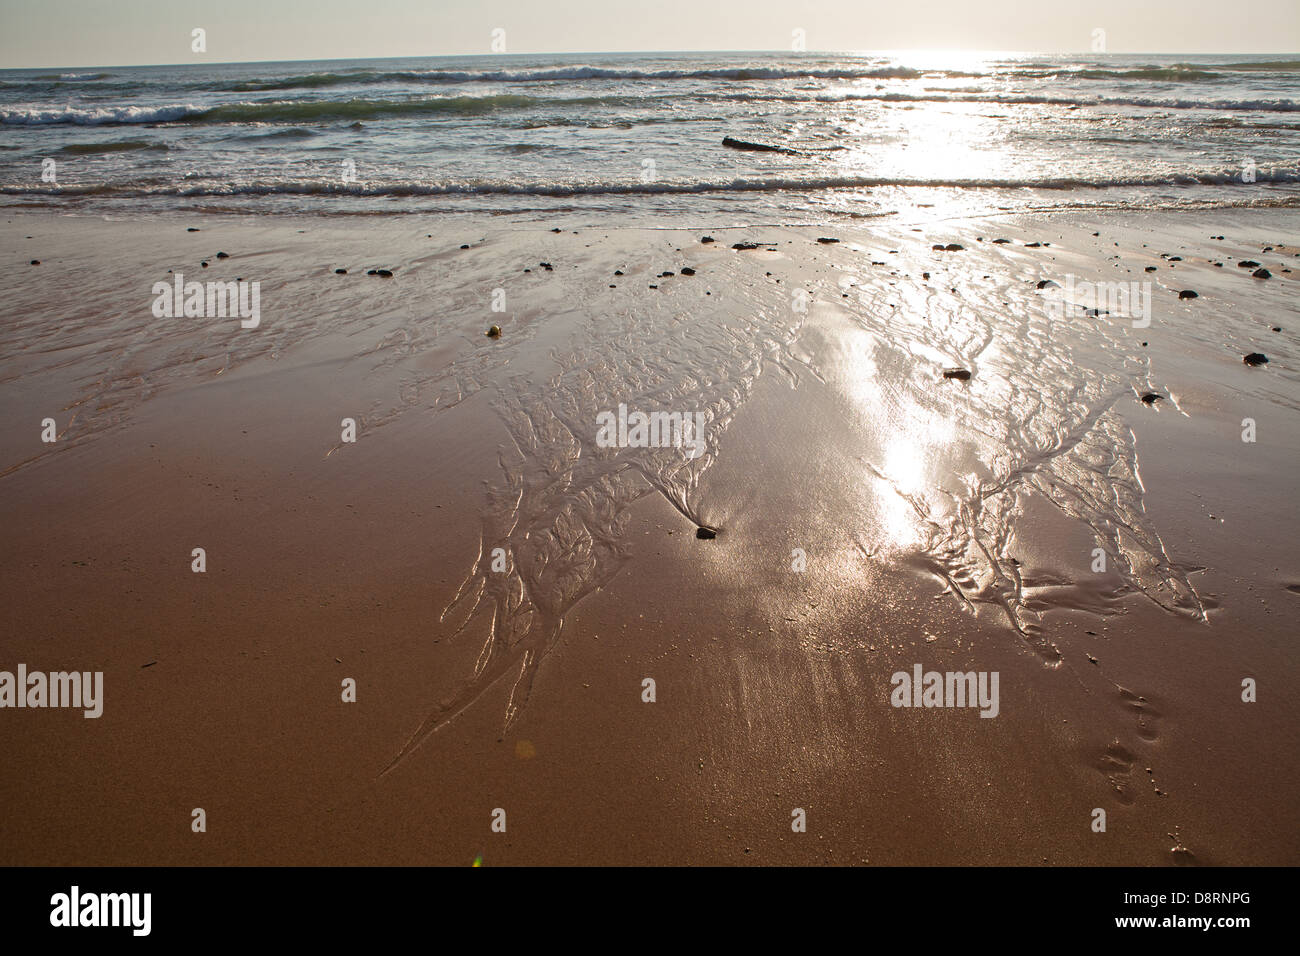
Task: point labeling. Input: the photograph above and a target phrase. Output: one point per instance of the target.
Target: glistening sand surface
(945, 523)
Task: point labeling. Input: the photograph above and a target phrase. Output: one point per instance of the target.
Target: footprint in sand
(1145, 714)
(1181, 854)
(1116, 765)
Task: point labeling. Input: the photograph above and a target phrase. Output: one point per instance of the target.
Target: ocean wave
(285, 111)
(412, 188)
(73, 77)
(95, 116)
(289, 133)
(300, 111)
(1277, 106)
(1180, 74)
(1177, 72)
(1262, 66)
(124, 146)
(739, 74)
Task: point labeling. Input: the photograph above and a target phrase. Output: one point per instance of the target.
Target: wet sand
(941, 522)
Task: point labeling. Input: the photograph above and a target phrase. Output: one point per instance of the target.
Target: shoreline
(830, 430)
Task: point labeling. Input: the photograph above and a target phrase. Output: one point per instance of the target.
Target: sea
(640, 137)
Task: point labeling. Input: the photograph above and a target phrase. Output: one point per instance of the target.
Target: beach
(499, 585)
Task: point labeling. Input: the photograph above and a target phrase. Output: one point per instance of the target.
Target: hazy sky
(120, 32)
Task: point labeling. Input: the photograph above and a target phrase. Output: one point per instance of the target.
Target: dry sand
(945, 523)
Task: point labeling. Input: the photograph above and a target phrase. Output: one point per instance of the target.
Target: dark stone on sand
(382, 273)
(618, 272)
(746, 246)
(1151, 269)
(1247, 264)
(1277, 328)
(1187, 294)
(665, 275)
(653, 286)
(1048, 284)
(961, 374)
(223, 255)
(466, 246)
(204, 263)
(1150, 398)
(494, 332)
(340, 272)
(1000, 242)
(756, 147)
(36, 262)
(707, 239)
(547, 266)
(1175, 258)
(1256, 358)
(826, 241)
(1262, 274)
(687, 271)
(555, 230)
(950, 247)
(192, 229)
(705, 534)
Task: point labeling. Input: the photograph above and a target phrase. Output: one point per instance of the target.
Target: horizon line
(544, 53)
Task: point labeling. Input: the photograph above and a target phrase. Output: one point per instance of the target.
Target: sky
(40, 33)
